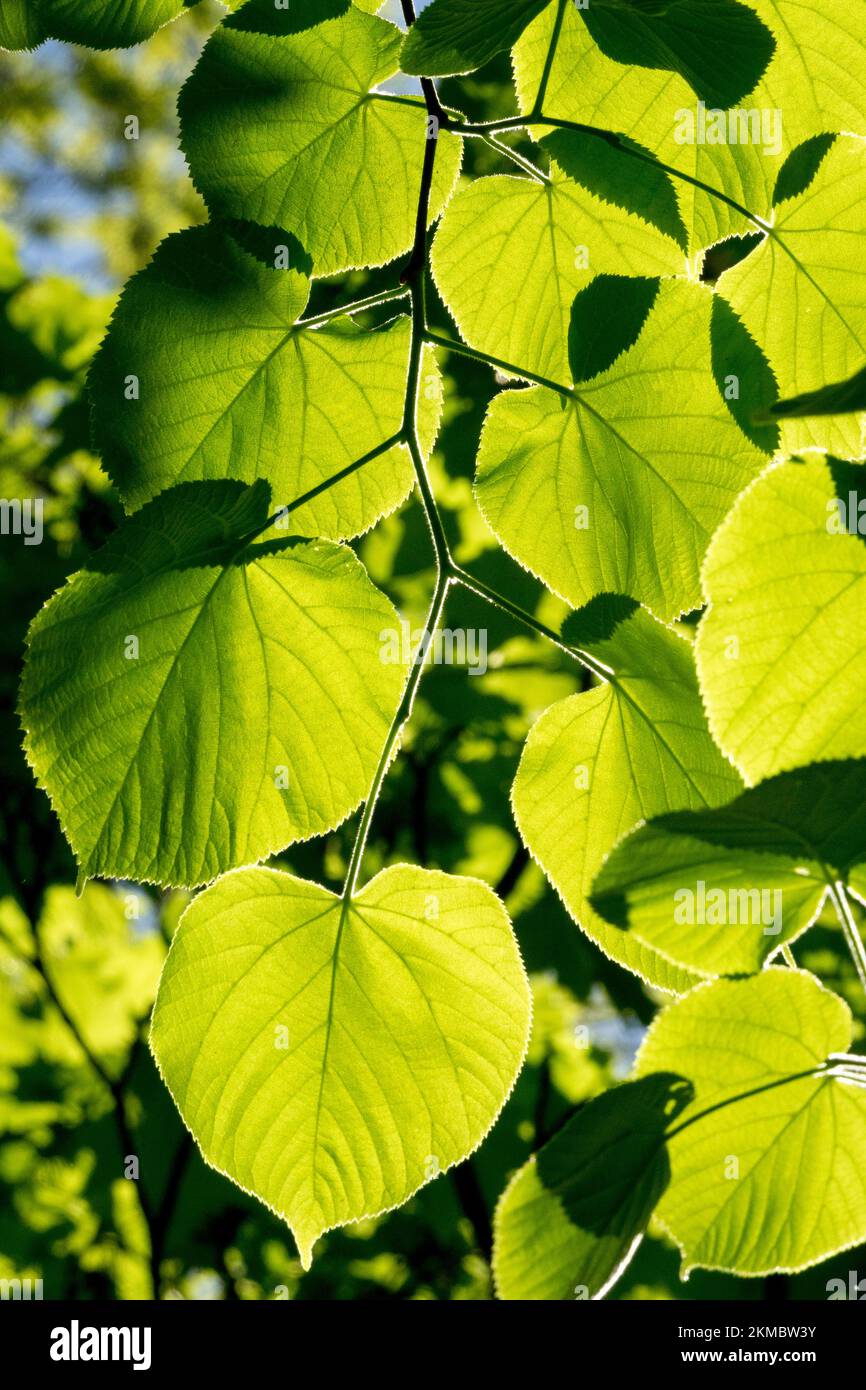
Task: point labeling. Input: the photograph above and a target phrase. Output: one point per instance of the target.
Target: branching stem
(447, 571)
(413, 278)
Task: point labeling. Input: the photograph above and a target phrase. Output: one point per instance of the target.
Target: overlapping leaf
(720, 47)
(512, 253)
(742, 1127)
(765, 1168)
(227, 384)
(716, 891)
(620, 171)
(620, 486)
(452, 36)
(837, 398)
(331, 1060)
(192, 704)
(780, 647)
(572, 1217)
(802, 293)
(282, 128)
(814, 82)
(106, 23)
(659, 110)
(600, 761)
(20, 26)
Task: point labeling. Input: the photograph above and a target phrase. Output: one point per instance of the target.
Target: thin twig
(356, 307)
(477, 586)
(516, 158)
(413, 277)
(479, 129)
(440, 340)
(324, 486)
(839, 896)
(551, 54)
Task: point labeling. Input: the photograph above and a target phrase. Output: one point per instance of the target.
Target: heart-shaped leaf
(331, 1056)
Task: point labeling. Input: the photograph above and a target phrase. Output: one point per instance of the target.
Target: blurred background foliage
(102, 1195)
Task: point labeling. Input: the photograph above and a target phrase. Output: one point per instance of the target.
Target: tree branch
(413, 276)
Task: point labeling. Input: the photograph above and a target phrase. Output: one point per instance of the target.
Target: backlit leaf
(720, 47)
(334, 1060)
(283, 128)
(226, 385)
(106, 23)
(620, 486)
(764, 1161)
(716, 891)
(779, 648)
(659, 111)
(839, 398)
(20, 25)
(572, 1217)
(802, 293)
(192, 703)
(453, 36)
(600, 761)
(512, 253)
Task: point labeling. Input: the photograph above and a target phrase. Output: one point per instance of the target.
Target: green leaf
(282, 128)
(332, 1060)
(764, 1169)
(619, 486)
(800, 168)
(231, 700)
(720, 47)
(597, 762)
(717, 891)
(818, 75)
(107, 23)
(511, 254)
(267, 17)
(606, 320)
(658, 111)
(815, 83)
(572, 1217)
(453, 36)
(620, 171)
(209, 331)
(802, 293)
(839, 398)
(743, 1126)
(779, 648)
(20, 25)
(743, 375)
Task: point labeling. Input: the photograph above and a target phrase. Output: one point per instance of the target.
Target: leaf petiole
(356, 307)
(464, 350)
(839, 897)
